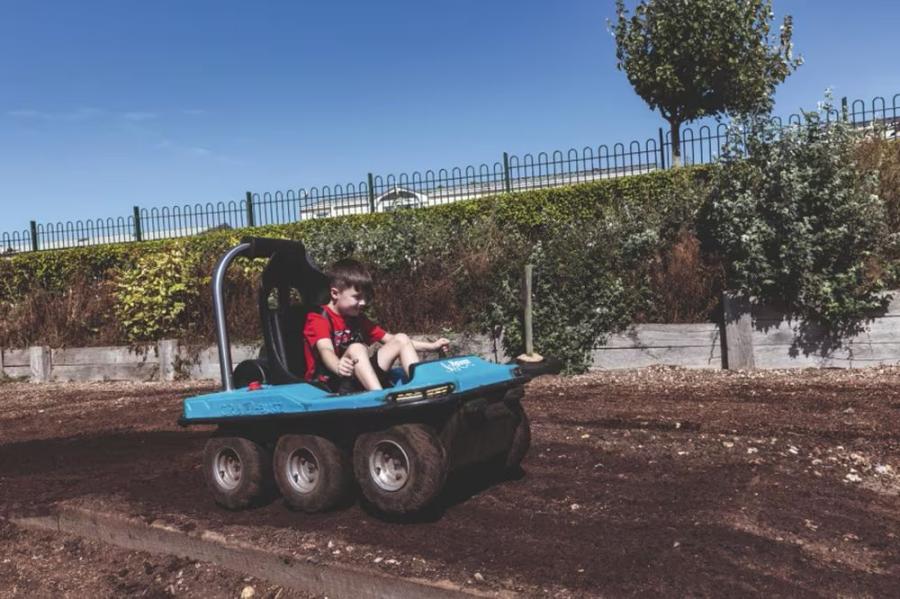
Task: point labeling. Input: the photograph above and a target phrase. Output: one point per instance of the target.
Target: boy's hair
(347, 273)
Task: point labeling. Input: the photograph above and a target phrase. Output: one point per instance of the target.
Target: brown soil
(656, 481)
(41, 564)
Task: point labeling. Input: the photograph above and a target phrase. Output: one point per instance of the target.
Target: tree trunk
(676, 142)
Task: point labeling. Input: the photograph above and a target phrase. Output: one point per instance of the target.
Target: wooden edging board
(332, 580)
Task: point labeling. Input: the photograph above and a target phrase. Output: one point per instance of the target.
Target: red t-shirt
(344, 332)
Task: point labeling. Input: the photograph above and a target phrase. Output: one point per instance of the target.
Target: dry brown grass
(685, 285)
(878, 153)
(82, 315)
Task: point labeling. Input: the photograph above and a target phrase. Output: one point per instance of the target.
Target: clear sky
(109, 104)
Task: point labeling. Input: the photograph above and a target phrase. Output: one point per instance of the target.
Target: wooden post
(39, 360)
(737, 330)
(529, 331)
(167, 350)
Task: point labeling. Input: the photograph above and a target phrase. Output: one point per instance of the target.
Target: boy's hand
(347, 365)
(440, 344)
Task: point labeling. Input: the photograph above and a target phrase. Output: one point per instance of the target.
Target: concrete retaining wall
(164, 361)
(685, 345)
(750, 336)
(753, 336)
(761, 337)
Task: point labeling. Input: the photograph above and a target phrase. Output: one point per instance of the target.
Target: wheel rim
(227, 468)
(389, 466)
(302, 471)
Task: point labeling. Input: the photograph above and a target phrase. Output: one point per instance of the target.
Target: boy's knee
(402, 338)
(358, 350)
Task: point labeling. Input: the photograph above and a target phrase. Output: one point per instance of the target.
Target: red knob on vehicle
(254, 386)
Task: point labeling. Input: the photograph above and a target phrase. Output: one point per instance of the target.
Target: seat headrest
(290, 270)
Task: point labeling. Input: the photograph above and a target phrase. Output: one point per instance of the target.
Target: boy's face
(349, 301)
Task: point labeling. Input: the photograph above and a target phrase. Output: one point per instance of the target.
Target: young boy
(337, 338)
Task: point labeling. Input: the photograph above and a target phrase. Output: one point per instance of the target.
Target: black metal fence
(379, 193)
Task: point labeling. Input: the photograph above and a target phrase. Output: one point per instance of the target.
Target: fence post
(529, 323)
(371, 193)
(138, 233)
(250, 221)
(662, 149)
(845, 114)
(167, 351)
(737, 327)
(39, 361)
(507, 184)
(34, 240)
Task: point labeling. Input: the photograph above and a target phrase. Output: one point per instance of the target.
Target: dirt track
(643, 482)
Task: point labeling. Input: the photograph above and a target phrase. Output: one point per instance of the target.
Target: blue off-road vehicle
(398, 444)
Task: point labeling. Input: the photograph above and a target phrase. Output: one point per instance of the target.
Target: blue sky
(109, 104)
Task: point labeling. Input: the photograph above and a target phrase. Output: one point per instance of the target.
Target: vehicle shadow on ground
(461, 486)
(152, 466)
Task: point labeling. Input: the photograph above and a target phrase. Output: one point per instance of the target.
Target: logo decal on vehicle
(456, 365)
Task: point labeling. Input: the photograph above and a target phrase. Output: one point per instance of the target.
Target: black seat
(290, 287)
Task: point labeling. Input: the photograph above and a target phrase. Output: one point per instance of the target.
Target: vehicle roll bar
(222, 342)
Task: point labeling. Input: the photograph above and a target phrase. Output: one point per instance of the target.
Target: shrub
(797, 222)
(153, 295)
(455, 266)
(587, 283)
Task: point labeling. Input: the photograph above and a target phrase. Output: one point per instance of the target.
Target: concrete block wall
(750, 336)
(166, 360)
(759, 336)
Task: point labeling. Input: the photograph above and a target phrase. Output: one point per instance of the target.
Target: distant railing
(379, 193)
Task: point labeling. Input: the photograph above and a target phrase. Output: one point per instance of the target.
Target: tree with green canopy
(696, 58)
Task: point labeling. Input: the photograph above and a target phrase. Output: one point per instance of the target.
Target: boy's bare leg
(362, 369)
(401, 347)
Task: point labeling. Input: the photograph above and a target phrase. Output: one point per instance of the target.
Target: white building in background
(435, 194)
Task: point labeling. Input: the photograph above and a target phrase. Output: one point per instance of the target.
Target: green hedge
(606, 254)
(597, 248)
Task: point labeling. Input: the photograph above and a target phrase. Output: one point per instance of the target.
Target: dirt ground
(648, 482)
(39, 564)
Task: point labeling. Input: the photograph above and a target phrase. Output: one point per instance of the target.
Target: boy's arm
(420, 345)
(326, 351)
(342, 366)
(318, 335)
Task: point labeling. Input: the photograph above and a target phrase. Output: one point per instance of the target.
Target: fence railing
(377, 193)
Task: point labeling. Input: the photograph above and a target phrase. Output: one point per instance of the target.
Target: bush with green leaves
(455, 266)
(797, 221)
(153, 296)
(588, 281)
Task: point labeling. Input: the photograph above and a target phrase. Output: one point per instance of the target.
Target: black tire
(238, 471)
(312, 472)
(521, 440)
(402, 469)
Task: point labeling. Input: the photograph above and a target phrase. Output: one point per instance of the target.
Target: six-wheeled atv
(398, 444)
